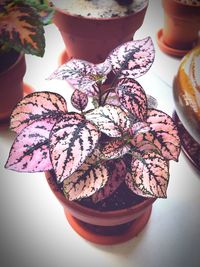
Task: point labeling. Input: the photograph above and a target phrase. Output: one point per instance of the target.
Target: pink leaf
(79, 100)
(72, 139)
(110, 120)
(114, 149)
(85, 181)
(132, 59)
(149, 176)
(113, 99)
(83, 75)
(30, 150)
(132, 97)
(37, 105)
(163, 134)
(117, 173)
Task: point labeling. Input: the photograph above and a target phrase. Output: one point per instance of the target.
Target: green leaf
(22, 29)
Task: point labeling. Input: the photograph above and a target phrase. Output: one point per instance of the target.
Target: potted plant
(91, 29)
(106, 161)
(181, 26)
(21, 32)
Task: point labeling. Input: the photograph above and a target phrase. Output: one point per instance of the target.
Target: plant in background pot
(108, 160)
(91, 29)
(21, 32)
(180, 32)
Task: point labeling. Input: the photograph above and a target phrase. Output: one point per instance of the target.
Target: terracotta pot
(92, 39)
(181, 27)
(12, 71)
(186, 92)
(103, 227)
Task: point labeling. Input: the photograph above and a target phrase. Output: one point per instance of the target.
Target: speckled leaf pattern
(21, 28)
(117, 173)
(110, 120)
(132, 97)
(36, 106)
(82, 75)
(133, 59)
(114, 149)
(30, 150)
(79, 100)
(149, 176)
(85, 181)
(163, 134)
(72, 139)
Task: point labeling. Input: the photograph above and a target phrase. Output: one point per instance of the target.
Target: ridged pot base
(189, 146)
(109, 235)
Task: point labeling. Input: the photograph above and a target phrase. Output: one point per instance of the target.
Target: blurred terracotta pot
(181, 27)
(12, 71)
(92, 39)
(103, 227)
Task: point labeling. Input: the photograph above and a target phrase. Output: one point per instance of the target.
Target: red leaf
(85, 181)
(30, 150)
(83, 75)
(79, 100)
(37, 105)
(163, 134)
(132, 97)
(117, 173)
(149, 176)
(72, 139)
(111, 120)
(132, 59)
(114, 149)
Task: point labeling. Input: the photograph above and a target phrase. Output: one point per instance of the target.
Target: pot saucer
(4, 123)
(167, 49)
(63, 58)
(189, 146)
(109, 235)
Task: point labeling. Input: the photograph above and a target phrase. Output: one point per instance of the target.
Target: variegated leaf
(132, 59)
(117, 173)
(79, 100)
(132, 97)
(85, 181)
(72, 139)
(110, 120)
(149, 176)
(114, 149)
(30, 150)
(163, 134)
(82, 75)
(37, 105)
(21, 28)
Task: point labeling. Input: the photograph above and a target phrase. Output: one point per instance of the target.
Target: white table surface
(33, 228)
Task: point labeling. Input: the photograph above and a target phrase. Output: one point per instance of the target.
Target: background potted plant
(91, 36)
(21, 32)
(180, 32)
(107, 161)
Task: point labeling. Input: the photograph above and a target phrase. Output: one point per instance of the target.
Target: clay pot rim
(137, 208)
(65, 12)
(12, 66)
